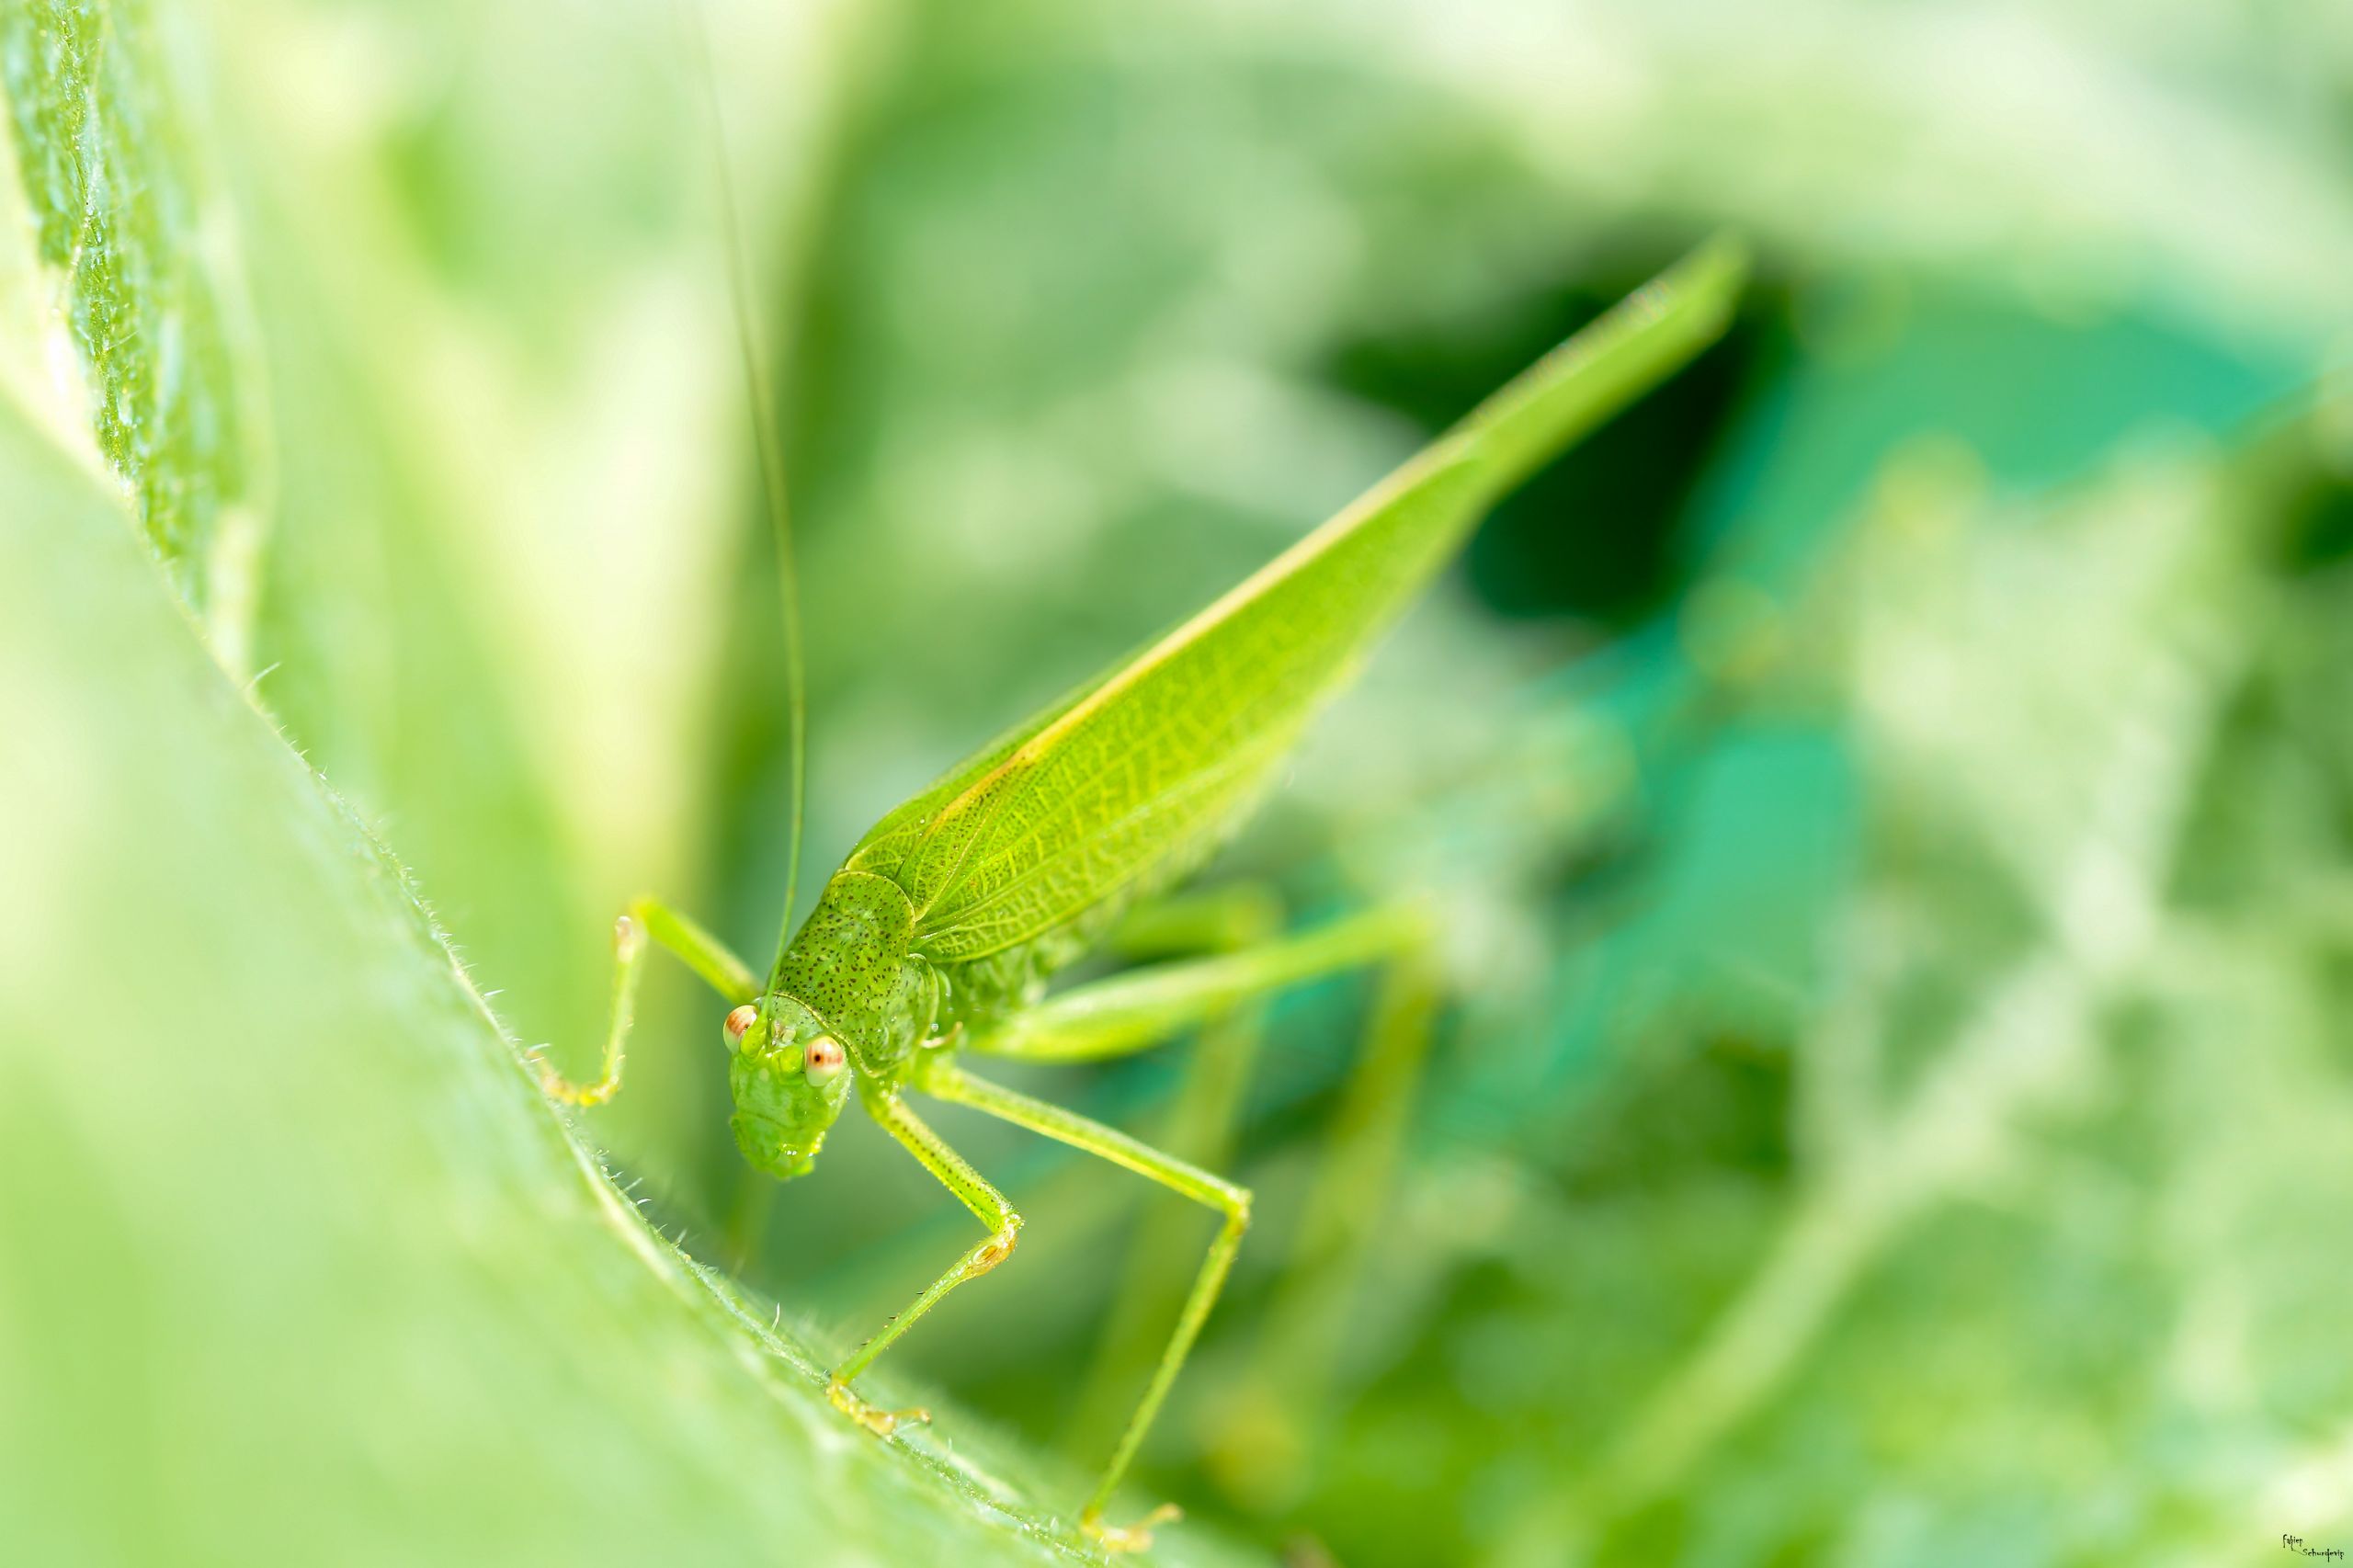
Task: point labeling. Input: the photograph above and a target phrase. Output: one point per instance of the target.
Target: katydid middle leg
(987, 1205)
(1199, 1126)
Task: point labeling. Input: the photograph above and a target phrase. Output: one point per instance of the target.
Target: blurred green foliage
(1889, 793)
(138, 258)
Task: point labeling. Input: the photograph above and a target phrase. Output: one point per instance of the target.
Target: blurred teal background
(1888, 794)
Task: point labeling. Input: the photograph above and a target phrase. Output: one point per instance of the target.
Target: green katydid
(935, 939)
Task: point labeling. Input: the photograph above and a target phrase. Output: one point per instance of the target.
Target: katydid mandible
(937, 937)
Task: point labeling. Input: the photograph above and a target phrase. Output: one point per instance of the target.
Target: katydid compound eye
(741, 1018)
(824, 1059)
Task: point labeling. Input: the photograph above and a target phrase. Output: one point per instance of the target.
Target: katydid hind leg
(1222, 917)
(1140, 1007)
(942, 1078)
(697, 949)
(1262, 1440)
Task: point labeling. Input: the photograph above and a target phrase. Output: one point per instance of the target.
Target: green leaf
(131, 244)
(298, 1265)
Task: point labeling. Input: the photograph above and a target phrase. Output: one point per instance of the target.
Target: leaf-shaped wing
(888, 843)
(1144, 769)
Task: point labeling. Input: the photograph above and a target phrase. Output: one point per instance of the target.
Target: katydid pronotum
(936, 938)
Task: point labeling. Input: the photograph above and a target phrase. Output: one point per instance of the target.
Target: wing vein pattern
(1136, 778)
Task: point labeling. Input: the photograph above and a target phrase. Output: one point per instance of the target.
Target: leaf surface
(309, 1271)
(132, 245)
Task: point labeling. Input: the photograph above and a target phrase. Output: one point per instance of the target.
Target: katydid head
(791, 1079)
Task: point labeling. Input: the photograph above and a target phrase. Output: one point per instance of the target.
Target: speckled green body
(854, 970)
(858, 970)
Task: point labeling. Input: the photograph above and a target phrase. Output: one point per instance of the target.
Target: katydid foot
(873, 1417)
(1136, 1537)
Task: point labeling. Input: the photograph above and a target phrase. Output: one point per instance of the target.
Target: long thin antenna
(757, 390)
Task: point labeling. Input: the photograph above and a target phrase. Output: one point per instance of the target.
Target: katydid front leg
(938, 1074)
(700, 952)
